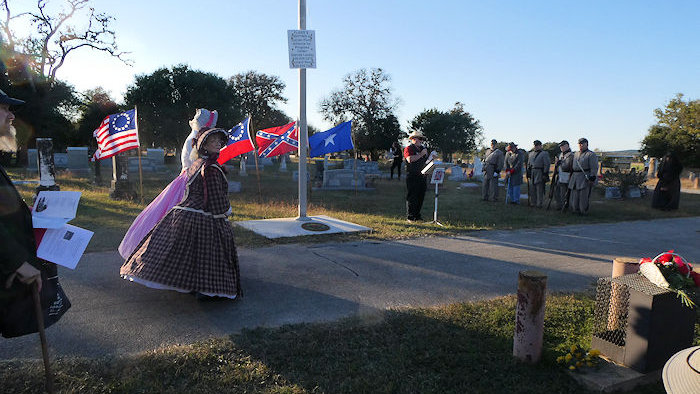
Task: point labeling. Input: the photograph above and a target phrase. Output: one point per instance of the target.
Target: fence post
(529, 316)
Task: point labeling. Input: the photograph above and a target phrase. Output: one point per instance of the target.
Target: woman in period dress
(667, 193)
(192, 249)
(173, 193)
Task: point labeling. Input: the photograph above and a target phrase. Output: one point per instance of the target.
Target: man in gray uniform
(493, 163)
(538, 168)
(583, 177)
(563, 164)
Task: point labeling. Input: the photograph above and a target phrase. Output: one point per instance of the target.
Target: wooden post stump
(529, 316)
(624, 266)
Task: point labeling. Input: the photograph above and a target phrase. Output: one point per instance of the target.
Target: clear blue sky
(547, 70)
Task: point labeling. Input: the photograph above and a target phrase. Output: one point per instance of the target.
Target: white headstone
(283, 163)
(456, 174)
(478, 168)
(241, 171)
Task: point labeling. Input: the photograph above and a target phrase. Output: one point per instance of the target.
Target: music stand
(437, 169)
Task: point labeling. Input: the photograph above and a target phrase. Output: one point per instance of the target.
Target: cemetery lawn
(460, 209)
(458, 348)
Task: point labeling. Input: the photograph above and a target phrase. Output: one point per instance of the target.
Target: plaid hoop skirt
(190, 249)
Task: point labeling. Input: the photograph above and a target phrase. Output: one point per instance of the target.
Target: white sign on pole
(302, 48)
(438, 175)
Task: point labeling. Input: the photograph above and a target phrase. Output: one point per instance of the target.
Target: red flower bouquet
(671, 271)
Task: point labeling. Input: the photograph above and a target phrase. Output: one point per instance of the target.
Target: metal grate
(611, 310)
(640, 283)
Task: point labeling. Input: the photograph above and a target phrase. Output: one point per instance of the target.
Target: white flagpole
(303, 130)
(138, 141)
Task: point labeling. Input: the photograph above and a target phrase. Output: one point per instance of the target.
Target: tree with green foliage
(366, 99)
(96, 107)
(552, 149)
(259, 95)
(168, 98)
(677, 129)
(453, 131)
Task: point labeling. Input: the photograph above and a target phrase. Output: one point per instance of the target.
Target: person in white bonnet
(203, 118)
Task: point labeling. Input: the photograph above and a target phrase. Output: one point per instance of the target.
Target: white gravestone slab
(456, 174)
(478, 168)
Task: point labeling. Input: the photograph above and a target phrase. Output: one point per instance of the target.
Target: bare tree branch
(56, 37)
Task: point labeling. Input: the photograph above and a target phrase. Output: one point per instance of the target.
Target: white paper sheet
(53, 209)
(64, 246)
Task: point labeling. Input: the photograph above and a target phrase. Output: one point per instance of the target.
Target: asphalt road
(321, 282)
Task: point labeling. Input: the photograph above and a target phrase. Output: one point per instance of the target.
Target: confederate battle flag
(277, 141)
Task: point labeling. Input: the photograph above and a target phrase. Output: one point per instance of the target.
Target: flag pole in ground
(354, 164)
(303, 131)
(255, 154)
(138, 148)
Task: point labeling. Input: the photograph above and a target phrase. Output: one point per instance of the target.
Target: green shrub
(623, 180)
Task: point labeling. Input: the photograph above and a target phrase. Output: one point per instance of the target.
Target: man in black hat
(583, 177)
(563, 164)
(416, 155)
(538, 169)
(493, 164)
(18, 259)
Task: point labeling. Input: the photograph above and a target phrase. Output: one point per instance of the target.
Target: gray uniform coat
(584, 166)
(493, 164)
(539, 162)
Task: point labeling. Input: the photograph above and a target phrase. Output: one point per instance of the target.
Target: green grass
(383, 209)
(459, 348)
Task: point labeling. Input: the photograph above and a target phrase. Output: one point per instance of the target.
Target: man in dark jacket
(18, 259)
(515, 158)
(416, 155)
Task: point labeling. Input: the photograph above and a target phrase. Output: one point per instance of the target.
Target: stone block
(295, 175)
(146, 165)
(60, 160)
(612, 193)
(157, 156)
(32, 159)
(77, 158)
(234, 187)
(633, 192)
(456, 174)
(343, 179)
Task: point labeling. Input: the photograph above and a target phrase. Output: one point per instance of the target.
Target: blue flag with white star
(337, 139)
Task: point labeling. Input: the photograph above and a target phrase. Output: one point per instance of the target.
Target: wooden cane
(42, 336)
